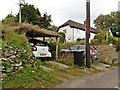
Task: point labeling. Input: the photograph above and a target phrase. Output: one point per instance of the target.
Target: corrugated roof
(74, 24)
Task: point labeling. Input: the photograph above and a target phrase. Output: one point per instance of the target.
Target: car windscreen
(77, 47)
(40, 44)
(73, 48)
(37, 42)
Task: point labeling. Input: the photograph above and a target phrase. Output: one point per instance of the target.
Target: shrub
(113, 40)
(62, 38)
(100, 36)
(95, 42)
(52, 49)
(104, 42)
(78, 39)
(9, 21)
(82, 42)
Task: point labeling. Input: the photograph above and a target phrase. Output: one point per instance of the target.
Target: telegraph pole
(87, 33)
(118, 6)
(19, 13)
(21, 2)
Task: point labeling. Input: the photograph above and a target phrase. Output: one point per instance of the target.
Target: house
(74, 30)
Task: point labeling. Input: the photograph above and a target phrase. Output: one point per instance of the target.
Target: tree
(117, 22)
(53, 28)
(103, 21)
(29, 14)
(45, 21)
(32, 15)
(111, 20)
(62, 38)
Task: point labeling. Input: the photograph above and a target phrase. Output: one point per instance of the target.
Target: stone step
(101, 66)
(59, 64)
(47, 69)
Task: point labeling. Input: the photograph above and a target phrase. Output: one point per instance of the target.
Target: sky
(63, 10)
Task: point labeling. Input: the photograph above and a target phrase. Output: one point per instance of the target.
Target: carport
(33, 31)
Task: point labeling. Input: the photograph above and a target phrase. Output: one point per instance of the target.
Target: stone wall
(14, 59)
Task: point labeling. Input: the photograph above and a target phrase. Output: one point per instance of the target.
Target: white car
(40, 49)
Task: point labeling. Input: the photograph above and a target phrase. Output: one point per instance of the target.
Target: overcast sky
(62, 10)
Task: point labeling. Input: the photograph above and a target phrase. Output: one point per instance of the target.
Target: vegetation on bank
(30, 77)
(11, 38)
(16, 49)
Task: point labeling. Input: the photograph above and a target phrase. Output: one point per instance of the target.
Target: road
(106, 79)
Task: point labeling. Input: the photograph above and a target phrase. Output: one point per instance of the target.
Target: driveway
(106, 79)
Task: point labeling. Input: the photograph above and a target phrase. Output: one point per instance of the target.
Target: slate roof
(77, 25)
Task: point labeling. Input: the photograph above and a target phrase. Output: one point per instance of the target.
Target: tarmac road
(106, 79)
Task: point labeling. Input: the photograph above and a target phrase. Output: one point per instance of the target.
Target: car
(40, 49)
(94, 54)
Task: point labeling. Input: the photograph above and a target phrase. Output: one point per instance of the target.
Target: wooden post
(44, 39)
(57, 43)
(87, 33)
(20, 13)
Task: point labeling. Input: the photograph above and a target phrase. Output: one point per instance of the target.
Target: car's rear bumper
(95, 56)
(46, 55)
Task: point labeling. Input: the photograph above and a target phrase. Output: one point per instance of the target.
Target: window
(65, 31)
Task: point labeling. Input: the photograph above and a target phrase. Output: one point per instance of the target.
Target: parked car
(94, 54)
(40, 49)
